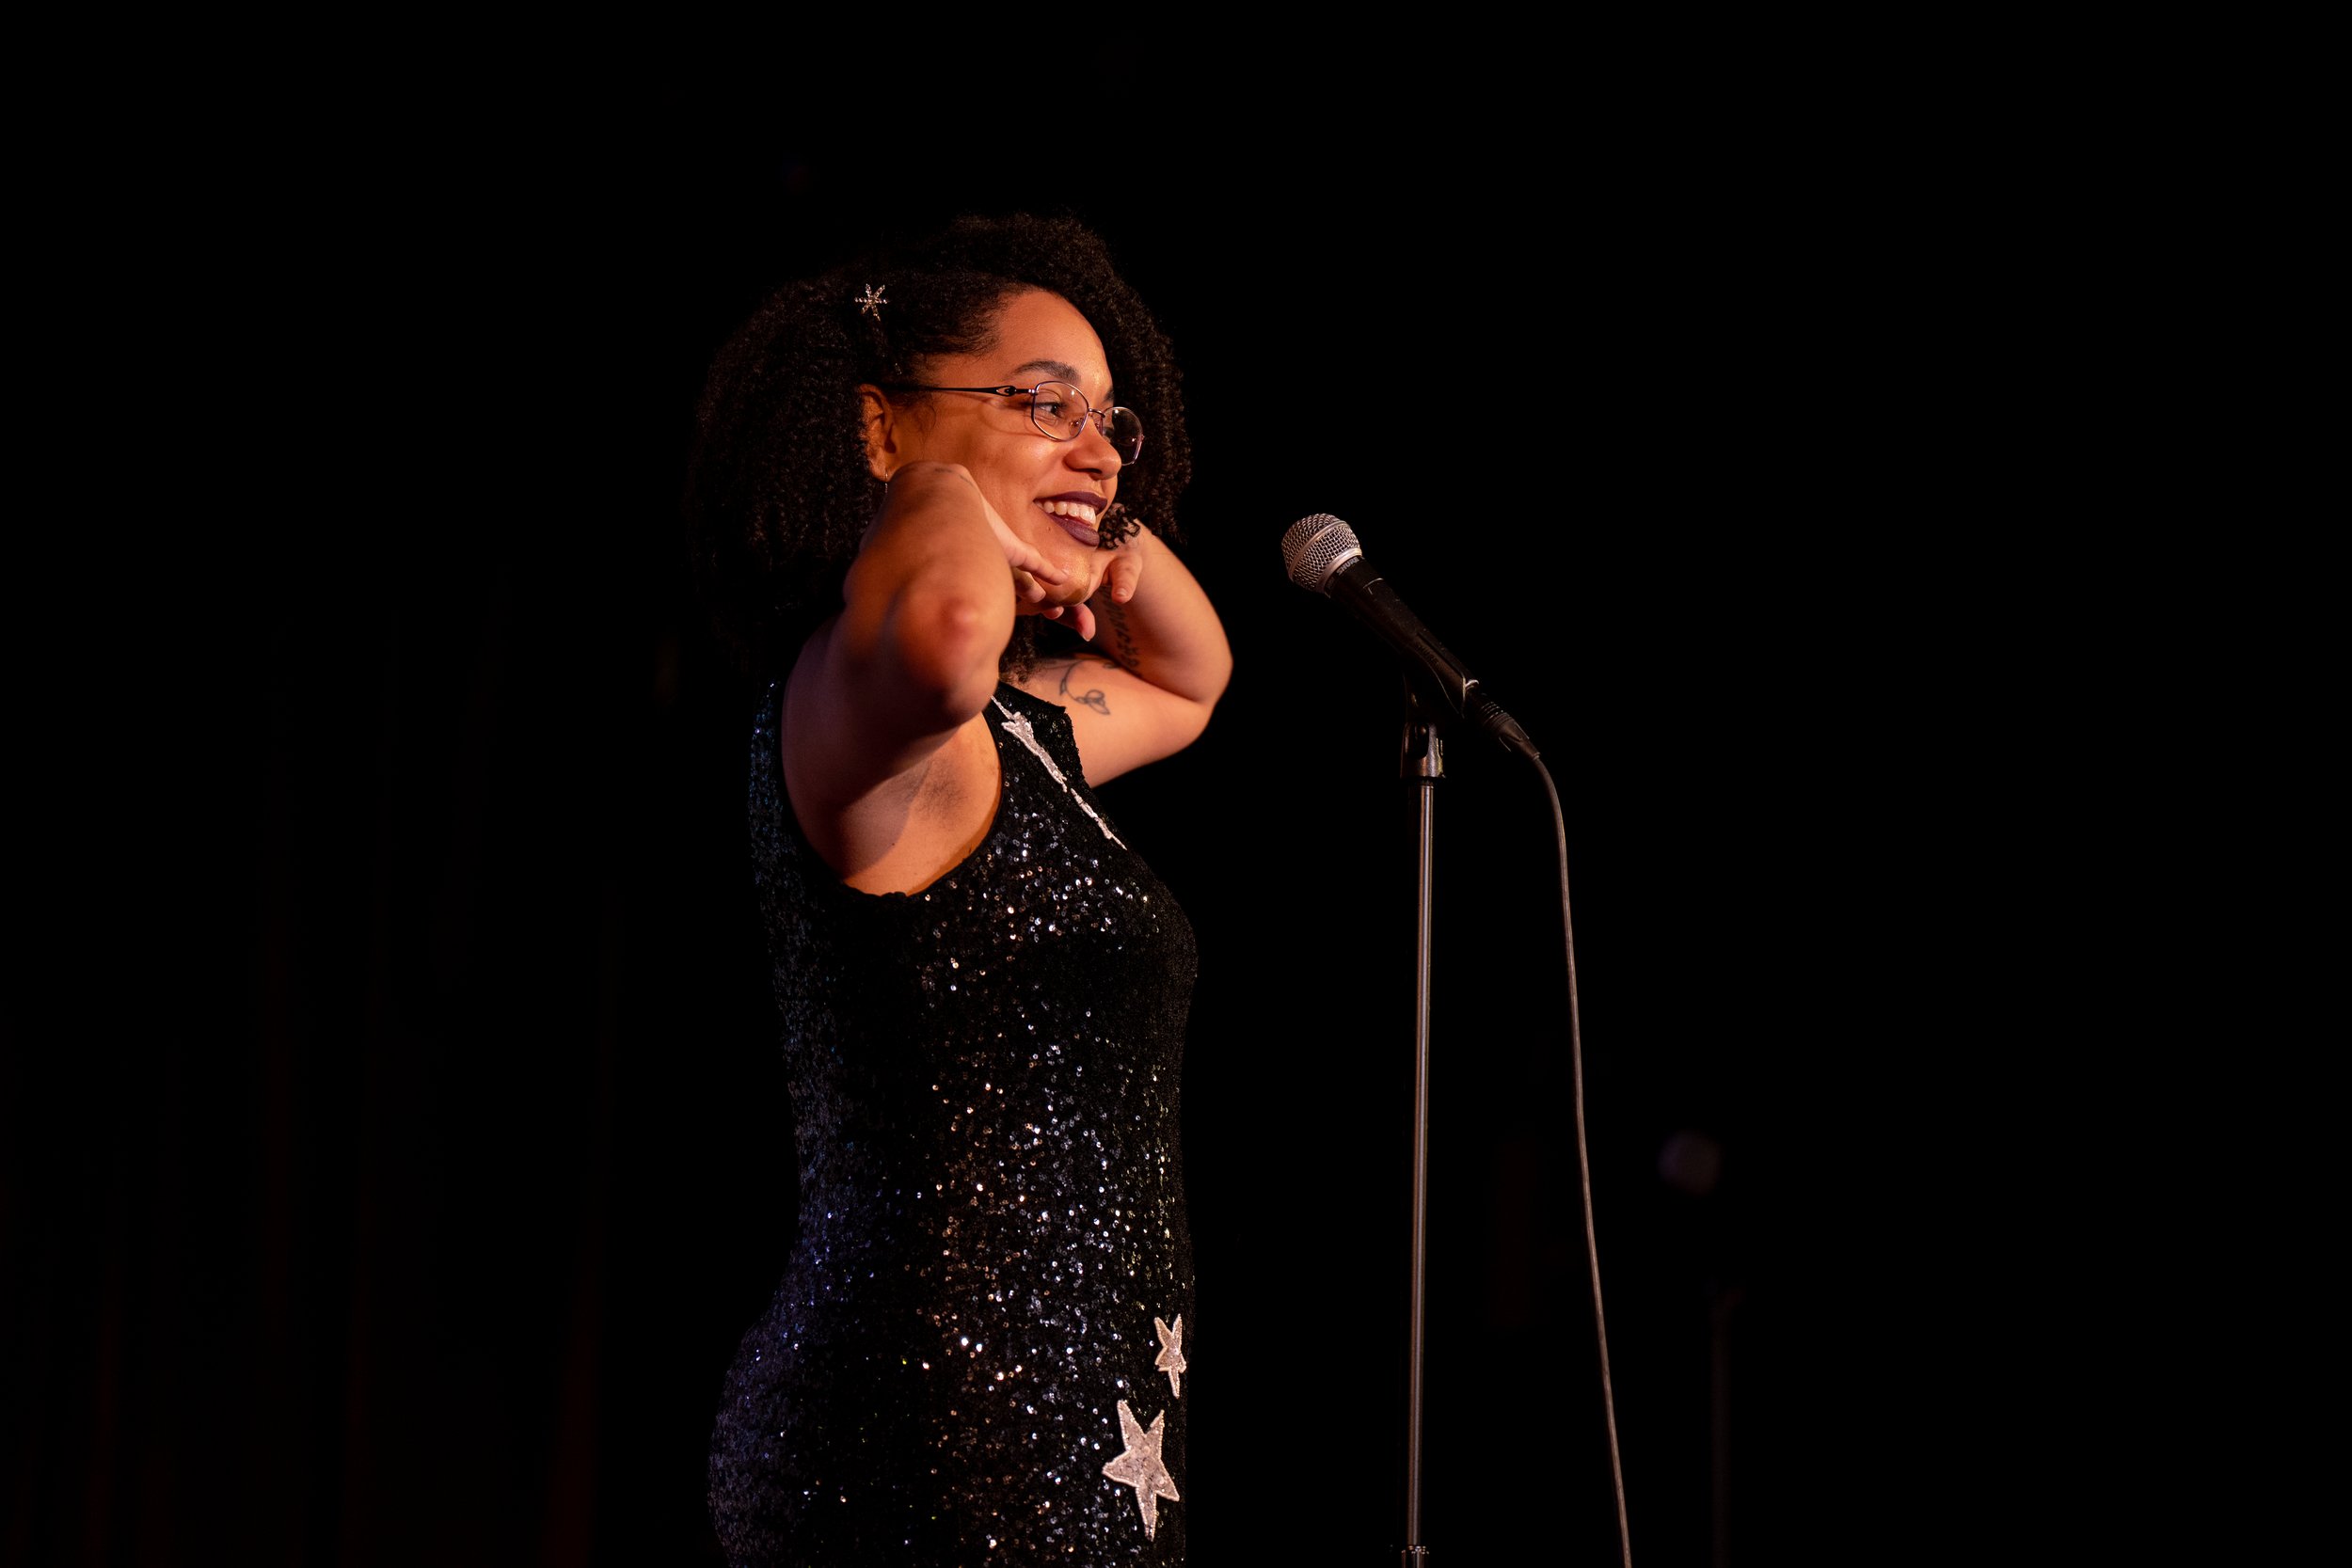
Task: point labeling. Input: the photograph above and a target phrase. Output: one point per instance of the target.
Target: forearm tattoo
(1127, 653)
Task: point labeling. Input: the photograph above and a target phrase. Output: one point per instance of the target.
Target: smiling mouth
(1077, 518)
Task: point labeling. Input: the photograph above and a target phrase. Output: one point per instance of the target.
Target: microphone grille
(1315, 548)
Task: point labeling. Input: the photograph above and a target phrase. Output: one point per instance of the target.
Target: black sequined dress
(978, 1354)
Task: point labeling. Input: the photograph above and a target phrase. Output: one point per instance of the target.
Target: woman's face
(1050, 492)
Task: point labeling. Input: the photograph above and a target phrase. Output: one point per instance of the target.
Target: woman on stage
(981, 1349)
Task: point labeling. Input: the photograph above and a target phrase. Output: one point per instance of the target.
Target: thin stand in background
(1422, 763)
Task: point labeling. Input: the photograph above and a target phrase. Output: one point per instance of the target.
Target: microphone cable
(1584, 1164)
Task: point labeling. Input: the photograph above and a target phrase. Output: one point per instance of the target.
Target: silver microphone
(1322, 555)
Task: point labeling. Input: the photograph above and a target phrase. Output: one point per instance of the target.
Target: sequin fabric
(967, 1361)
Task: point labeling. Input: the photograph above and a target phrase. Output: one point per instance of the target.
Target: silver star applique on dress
(1172, 1357)
(1017, 725)
(1140, 1466)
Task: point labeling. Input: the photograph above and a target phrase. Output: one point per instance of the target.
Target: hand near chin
(1076, 615)
(1126, 570)
(1115, 587)
(922, 483)
(1034, 577)
(1072, 596)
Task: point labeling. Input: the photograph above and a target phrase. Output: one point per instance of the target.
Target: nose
(1091, 449)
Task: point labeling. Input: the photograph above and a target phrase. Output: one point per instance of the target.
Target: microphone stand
(1422, 762)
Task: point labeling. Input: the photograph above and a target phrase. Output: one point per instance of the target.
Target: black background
(420, 1149)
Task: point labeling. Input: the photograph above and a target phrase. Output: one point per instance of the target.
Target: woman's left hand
(1160, 666)
(1126, 571)
(1116, 586)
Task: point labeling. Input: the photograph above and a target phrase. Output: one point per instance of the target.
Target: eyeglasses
(1059, 411)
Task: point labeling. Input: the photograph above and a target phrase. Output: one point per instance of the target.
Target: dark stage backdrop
(418, 1148)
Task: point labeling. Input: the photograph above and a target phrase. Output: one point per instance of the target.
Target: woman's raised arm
(1159, 665)
(881, 690)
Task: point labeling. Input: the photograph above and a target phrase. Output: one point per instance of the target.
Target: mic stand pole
(1422, 763)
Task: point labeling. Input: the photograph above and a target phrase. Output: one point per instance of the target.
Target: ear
(884, 428)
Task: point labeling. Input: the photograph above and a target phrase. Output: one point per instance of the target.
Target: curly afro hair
(778, 494)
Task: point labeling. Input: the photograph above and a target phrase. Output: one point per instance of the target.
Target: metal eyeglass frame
(1101, 417)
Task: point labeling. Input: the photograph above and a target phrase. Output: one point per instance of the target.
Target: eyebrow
(1060, 371)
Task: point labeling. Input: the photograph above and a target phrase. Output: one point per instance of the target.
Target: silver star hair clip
(870, 302)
